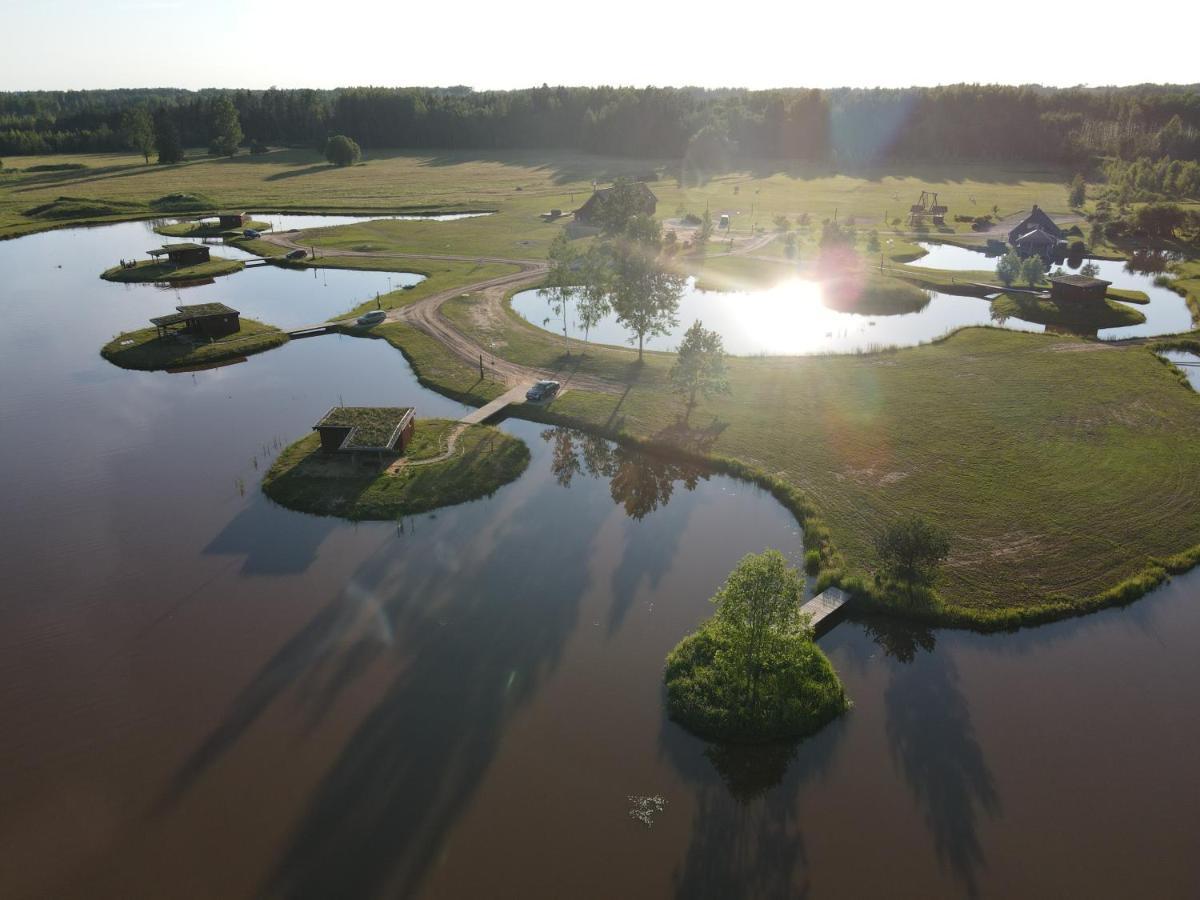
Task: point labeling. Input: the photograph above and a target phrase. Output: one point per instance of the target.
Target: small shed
(374, 429)
(210, 320)
(1078, 288)
(233, 219)
(182, 254)
(592, 211)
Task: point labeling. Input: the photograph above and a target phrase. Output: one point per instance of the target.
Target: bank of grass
(1086, 318)
(1062, 466)
(206, 229)
(144, 349)
(484, 459)
(1128, 295)
(800, 692)
(148, 270)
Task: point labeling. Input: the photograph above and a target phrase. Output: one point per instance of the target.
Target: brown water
(205, 695)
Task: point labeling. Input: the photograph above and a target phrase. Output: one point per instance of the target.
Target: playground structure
(927, 206)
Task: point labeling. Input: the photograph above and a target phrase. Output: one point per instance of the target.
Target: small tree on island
(911, 550)
(1008, 268)
(1033, 270)
(342, 151)
(226, 128)
(699, 365)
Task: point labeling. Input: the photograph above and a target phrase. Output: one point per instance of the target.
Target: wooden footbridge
(825, 609)
(512, 395)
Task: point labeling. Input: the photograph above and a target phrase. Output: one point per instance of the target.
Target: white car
(374, 317)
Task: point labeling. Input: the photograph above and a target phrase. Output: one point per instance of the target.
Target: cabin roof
(370, 427)
(1081, 281)
(1037, 234)
(197, 311)
(170, 248)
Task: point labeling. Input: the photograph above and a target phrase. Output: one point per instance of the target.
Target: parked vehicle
(542, 390)
(374, 317)
(251, 233)
(298, 253)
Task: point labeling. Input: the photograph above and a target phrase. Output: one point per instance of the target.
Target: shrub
(911, 549)
(257, 148)
(342, 151)
(812, 561)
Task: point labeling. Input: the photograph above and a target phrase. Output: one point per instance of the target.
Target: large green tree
(699, 364)
(644, 294)
(166, 139)
(1008, 267)
(226, 129)
(137, 128)
(342, 151)
(911, 549)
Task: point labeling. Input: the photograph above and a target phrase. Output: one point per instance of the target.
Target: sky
(76, 44)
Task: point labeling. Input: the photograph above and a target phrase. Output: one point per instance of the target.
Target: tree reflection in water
(898, 639)
(640, 482)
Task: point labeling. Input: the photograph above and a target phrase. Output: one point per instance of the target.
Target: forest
(847, 126)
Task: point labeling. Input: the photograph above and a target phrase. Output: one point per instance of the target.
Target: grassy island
(206, 229)
(151, 271)
(445, 464)
(752, 673)
(144, 349)
(1086, 319)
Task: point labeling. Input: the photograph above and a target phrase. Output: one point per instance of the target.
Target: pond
(1166, 313)
(463, 704)
(791, 318)
(1188, 363)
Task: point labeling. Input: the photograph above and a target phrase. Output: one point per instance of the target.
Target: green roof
(199, 311)
(371, 427)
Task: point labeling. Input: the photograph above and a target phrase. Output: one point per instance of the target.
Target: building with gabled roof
(592, 212)
(1036, 220)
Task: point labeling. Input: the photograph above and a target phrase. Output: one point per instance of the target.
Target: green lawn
(206, 229)
(152, 270)
(144, 349)
(484, 459)
(1085, 318)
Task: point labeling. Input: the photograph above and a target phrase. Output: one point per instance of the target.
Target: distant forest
(707, 127)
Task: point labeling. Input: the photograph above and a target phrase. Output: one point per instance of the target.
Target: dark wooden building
(592, 212)
(1036, 220)
(182, 254)
(233, 219)
(371, 429)
(1037, 242)
(1078, 289)
(210, 320)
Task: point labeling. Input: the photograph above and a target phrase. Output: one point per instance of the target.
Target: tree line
(704, 127)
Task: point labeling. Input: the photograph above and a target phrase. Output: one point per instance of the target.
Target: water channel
(207, 695)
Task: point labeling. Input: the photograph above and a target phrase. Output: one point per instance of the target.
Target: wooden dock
(313, 330)
(825, 608)
(512, 395)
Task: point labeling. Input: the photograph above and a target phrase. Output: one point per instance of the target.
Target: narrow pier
(825, 608)
(512, 395)
(313, 330)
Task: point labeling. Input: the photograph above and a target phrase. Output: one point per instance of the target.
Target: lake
(205, 694)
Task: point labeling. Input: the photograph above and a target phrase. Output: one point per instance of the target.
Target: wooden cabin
(591, 213)
(1078, 289)
(1037, 242)
(1036, 220)
(232, 219)
(209, 320)
(182, 254)
(372, 429)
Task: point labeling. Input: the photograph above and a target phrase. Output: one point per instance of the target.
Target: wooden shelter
(210, 320)
(1078, 288)
(1037, 242)
(232, 219)
(592, 212)
(373, 429)
(1036, 220)
(182, 254)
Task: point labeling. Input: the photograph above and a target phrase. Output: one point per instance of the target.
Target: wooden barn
(1035, 221)
(1078, 289)
(591, 213)
(181, 254)
(233, 219)
(210, 320)
(371, 429)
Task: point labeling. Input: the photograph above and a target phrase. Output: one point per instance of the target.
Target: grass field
(1087, 318)
(144, 349)
(484, 459)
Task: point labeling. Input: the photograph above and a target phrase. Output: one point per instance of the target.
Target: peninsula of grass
(1128, 295)
(1084, 318)
(149, 270)
(145, 350)
(482, 460)
(206, 229)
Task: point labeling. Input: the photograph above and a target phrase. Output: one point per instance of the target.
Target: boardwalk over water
(512, 395)
(825, 608)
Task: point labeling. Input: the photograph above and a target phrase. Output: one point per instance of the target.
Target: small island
(752, 673)
(173, 262)
(226, 224)
(198, 335)
(381, 463)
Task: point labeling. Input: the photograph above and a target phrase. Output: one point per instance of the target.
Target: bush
(342, 151)
(911, 550)
(812, 561)
(258, 148)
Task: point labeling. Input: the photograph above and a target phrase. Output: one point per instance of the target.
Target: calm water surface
(207, 695)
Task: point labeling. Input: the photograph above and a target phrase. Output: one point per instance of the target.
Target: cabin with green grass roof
(370, 429)
(185, 254)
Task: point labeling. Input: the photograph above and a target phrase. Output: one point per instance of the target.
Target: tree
(137, 129)
(699, 365)
(620, 204)
(1032, 270)
(1091, 270)
(911, 549)
(226, 130)
(563, 278)
(644, 295)
(705, 233)
(166, 139)
(591, 302)
(1160, 219)
(758, 604)
(342, 151)
(1008, 267)
(1078, 192)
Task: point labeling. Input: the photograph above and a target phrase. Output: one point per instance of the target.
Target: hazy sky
(62, 44)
